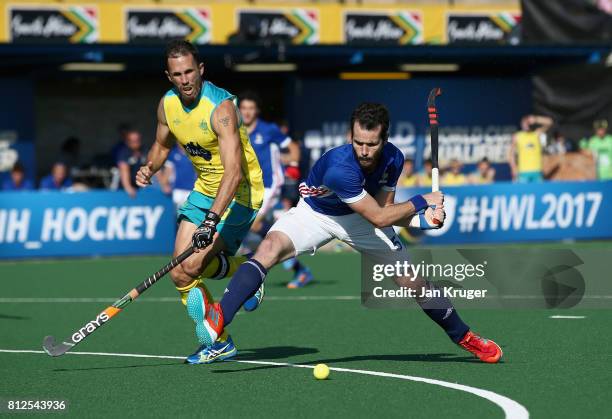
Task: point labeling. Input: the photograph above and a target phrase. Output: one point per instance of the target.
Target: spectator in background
(293, 173)
(600, 146)
(130, 160)
(70, 154)
(525, 154)
(121, 146)
(178, 175)
(424, 177)
(484, 173)
(58, 179)
(17, 181)
(408, 179)
(453, 175)
(559, 144)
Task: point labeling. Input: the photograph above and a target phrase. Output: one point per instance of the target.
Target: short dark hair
(179, 47)
(250, 95)
(124, 126)
(534, 126)
(371, 115)
(18, 167)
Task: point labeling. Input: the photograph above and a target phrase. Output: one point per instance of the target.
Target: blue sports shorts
(529, 177)
(234, 224)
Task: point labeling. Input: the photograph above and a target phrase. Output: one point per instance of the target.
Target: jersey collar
(189, 108)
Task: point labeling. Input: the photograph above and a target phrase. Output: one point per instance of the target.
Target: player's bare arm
(545, 123)
(164, 141)
(386, 198)
(392, 214)
(225, 124)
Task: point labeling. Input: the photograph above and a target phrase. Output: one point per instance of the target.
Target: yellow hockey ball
(321, 371)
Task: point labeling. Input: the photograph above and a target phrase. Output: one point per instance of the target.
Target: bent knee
(190, 268)
(179, 277)
(270, 250)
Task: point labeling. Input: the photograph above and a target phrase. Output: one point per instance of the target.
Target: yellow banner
(204, 23)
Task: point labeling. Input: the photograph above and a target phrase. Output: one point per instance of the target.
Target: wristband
(211, 216)
(418, 202)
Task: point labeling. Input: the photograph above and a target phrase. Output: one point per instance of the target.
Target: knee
(191, 268)
(179, 277)
(411, 281)
(268, 252)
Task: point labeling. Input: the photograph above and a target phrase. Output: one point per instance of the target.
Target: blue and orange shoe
(301, 278)
(485, 349)
(254, 302)
(208, 317)
(219, 351)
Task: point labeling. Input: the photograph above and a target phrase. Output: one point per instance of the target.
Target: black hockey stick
(433, 124)
(56, 349)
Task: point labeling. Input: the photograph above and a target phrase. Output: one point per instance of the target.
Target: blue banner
(40, 224)
(511, 212)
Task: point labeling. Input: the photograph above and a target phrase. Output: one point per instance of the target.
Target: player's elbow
(379, 221)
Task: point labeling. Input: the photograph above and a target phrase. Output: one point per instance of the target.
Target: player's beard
(368, 164)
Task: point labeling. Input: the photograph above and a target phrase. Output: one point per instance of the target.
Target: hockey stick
(56, 349)
(433, 124)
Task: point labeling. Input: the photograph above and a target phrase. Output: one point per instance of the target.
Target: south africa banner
(298, 26)
(53, 24)
(383, 28)
(160, 25)
(480, 28)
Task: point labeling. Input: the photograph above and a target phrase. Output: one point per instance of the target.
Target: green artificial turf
(554, 368)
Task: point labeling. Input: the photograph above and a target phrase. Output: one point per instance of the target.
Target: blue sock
(441, 310)
(297, 266)
(243, 285)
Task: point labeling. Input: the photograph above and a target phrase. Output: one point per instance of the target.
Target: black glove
(203, 236)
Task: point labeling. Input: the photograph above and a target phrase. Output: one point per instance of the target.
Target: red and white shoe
(485, 349)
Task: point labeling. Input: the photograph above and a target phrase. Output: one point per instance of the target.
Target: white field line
(566, 317)
(511, 409)
(164, 299)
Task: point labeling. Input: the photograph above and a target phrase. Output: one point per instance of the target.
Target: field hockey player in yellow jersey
(525, 154)
(228, 191)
